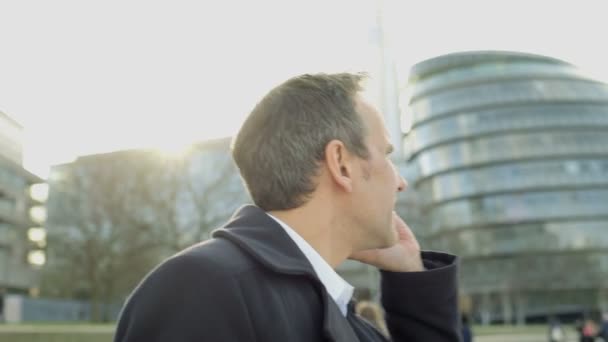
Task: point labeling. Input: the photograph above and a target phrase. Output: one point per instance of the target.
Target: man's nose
(402, 185)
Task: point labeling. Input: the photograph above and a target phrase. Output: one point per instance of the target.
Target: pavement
(520, 338)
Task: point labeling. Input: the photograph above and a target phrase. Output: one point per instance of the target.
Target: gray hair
(281, 143)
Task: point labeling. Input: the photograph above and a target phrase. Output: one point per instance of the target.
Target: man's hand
(404, 256)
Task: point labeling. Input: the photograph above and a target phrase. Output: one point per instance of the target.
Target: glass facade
(511, 153)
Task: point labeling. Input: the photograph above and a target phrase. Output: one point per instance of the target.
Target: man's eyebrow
(389, 149)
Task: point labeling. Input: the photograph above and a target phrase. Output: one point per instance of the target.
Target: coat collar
(263, 238)
(252, 230)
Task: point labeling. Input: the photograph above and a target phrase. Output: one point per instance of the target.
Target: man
(314, 156)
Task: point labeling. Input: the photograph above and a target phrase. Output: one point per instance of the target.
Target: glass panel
(519, 91)
(504, 148)
(485, 71)
(515, 176)
(507, 119)
(516, 208)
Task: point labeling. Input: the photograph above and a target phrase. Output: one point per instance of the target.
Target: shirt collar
(339, 290)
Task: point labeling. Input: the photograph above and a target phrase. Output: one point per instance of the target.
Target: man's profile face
(378, 181)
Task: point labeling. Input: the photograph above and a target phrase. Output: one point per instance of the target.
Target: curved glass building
(512, 157)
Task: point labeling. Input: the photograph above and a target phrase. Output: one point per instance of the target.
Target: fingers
(405, 232)
(399, 223)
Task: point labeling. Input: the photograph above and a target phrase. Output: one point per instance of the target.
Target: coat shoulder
(210, 259)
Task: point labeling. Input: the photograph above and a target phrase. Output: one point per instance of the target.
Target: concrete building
(512, 158)
(21, 217)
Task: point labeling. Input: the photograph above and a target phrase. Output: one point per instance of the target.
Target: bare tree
(195, 194)
(113, 216)
(99, 238)
(201, 206)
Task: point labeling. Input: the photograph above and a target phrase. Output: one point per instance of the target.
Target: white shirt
(339, 290)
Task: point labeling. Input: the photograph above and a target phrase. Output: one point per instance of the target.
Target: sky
(87, 77)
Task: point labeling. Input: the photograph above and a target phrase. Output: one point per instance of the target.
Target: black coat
(252, 283)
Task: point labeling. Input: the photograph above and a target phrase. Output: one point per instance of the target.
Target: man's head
(279, 147)
(317, 133)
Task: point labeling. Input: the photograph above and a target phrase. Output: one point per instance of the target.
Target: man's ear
(340, 164)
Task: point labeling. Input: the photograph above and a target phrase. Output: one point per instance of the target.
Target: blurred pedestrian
(467, 332)
(588, 331)
(556, 333)
(2, 295)
(372, 312)
(603, 329)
